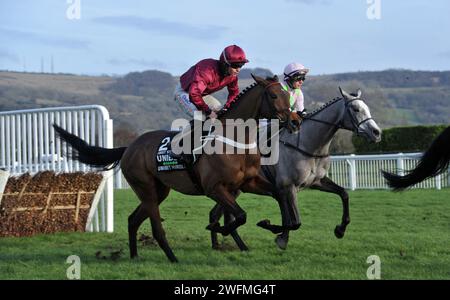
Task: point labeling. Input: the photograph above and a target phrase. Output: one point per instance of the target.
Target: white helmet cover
(294, 68)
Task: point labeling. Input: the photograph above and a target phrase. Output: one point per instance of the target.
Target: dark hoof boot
(214, 227)
(243, 248)
(338, 232)
(263, 223)
(281, 242)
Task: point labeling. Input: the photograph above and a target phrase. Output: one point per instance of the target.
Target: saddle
(167, 160)
(194, 136)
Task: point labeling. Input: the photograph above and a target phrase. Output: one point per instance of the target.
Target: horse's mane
(327, 104)
(323, 106)
(242, 93)
(247, 89)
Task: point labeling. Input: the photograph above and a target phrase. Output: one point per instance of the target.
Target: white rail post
(400, 164)
(438, 182)
(110, 182)
(118, 179)
(352, 171)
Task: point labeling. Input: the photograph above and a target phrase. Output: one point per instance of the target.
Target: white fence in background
(361, 171)
(28, 144)
(364, 171)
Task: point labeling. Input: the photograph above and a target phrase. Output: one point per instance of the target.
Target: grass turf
(409, 231)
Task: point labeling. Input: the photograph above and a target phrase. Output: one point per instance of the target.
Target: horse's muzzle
(294, 122)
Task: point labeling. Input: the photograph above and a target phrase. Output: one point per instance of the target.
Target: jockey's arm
(233, 91)
(195, 95)
(298, 104)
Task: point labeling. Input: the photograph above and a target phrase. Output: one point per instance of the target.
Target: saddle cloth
(164, 159)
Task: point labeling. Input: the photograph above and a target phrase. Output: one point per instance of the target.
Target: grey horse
(304, 160)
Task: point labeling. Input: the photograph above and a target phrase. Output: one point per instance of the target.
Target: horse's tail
(433, 162)
(91, 155)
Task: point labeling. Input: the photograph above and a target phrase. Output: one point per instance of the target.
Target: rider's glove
(302, 113)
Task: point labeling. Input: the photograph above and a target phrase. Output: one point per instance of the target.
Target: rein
(353, 119)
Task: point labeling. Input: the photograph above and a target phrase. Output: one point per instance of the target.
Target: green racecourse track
(409, 231)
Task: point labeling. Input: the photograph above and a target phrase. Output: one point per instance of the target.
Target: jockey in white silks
(294, 76)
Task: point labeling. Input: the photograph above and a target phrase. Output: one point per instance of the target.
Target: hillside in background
(141, 101)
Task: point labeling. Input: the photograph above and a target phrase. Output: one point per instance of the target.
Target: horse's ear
(345, 94)
(259, 80)
(358, 93)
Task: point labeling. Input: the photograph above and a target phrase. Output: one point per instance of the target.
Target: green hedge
(400, 139)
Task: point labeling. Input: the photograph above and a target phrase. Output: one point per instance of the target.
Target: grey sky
(328, 36)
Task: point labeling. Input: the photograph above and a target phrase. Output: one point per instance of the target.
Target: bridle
(267, 93)
(356, 125)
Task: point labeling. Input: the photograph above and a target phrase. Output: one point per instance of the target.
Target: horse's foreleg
(287, 200)
(227, 200)
(214, 216)
(228, 219)
(327, 185)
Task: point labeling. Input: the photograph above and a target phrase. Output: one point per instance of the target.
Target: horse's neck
(247, 107)
(315, 137)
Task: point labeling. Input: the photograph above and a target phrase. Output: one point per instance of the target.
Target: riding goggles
(298, 77)
(237, 65)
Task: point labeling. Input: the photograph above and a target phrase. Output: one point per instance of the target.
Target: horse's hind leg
(158, 232)
(327, 185)
(151, 195)
(134, 222)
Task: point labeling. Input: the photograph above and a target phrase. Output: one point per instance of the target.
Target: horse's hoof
(243, 248)
(338, 232)
(214, 227)
(281, 242)
(215, 246)
(263, 223)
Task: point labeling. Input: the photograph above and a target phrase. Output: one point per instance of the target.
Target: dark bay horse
(304, 162)
(218, 176)
(434, 161)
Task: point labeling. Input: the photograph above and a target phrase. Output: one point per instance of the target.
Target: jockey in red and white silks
(208, 76)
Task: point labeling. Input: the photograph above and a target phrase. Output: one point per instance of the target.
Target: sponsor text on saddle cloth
(164, 159)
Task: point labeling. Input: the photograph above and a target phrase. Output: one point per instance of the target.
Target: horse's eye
(355, 109)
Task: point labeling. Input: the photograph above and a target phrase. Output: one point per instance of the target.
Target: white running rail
(362, 171)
